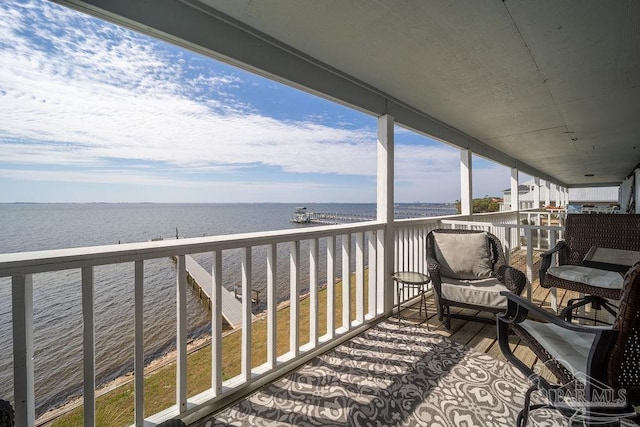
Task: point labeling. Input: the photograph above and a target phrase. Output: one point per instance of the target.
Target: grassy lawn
(116, 407)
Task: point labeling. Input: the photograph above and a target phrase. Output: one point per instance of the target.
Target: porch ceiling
(551, 87)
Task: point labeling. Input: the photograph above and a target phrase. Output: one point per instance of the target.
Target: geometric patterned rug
(391, 376)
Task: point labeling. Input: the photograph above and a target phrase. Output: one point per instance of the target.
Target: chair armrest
(547, 256)
(553, 250)
(519, 309)
(433, 267)
(514, 279)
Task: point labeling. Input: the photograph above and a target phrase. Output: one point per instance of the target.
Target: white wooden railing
(357, 248)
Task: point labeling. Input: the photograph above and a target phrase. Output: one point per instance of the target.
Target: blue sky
(96, 113)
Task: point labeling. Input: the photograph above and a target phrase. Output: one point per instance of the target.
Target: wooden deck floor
(482, 336)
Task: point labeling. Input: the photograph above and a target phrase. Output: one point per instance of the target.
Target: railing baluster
(527, 235)
(507, 244)
(360, 277)
(88, 348)
(554, 291)
(181, 334)
(346, 281)
(313, 291)
(138, 346)
(294, 303)
(381, 277)
(412, 248)
(373, 270)
(246, 314)
(331, 286)
(216, 323)
(396, 252)
(23, 377)
(272, 268)
(422, 254)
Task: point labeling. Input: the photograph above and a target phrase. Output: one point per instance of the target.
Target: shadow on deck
(404, 375)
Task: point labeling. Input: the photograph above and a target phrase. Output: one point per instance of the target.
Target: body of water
(57, 296)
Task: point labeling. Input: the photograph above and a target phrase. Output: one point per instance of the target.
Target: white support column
(515, 196)
(566, 196)
(556, 194)
(536, 193)
(385, 176)
(466, 182)
(547, 193)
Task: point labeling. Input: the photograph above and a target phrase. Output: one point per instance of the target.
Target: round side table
(412, 279)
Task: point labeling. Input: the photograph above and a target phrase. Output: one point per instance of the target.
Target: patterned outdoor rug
(390, 376)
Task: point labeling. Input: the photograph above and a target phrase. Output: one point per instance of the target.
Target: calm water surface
(57, 296)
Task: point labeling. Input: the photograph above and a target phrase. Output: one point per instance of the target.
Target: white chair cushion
(463, 256)
(587, 275)
(570, 348)
(483, 292)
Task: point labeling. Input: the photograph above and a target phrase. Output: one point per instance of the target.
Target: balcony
(494, 85)
(330, 315)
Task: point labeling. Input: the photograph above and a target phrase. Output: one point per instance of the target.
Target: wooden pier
(231, 306)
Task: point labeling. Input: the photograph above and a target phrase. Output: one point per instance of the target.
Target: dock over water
(231, 307)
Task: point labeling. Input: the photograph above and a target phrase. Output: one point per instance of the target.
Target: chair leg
(597, 303)
(448, 321)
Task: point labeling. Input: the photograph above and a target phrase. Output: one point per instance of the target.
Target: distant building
(596, 198)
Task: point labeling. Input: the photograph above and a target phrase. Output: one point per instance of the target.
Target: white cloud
(79, 96)
(104, 93)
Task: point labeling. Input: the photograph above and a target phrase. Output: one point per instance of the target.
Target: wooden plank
(231, 307)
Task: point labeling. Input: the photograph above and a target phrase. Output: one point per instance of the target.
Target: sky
(91, 112)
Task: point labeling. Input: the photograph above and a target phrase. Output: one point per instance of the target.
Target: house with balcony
(549, 89)
(593, 198)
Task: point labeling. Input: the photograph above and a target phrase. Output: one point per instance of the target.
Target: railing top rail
(455, 217)
(485, 224)
(413, 221)
(63, 259)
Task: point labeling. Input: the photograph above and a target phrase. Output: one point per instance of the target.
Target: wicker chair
(479, 293)
(582, 232)
(591, 357)
(7, 415)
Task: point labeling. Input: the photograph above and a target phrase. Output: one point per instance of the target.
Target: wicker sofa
(468, 269)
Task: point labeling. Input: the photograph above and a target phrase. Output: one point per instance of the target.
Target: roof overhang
(549, 87)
